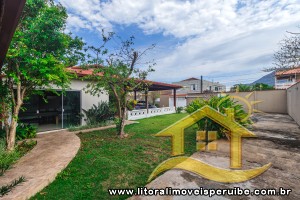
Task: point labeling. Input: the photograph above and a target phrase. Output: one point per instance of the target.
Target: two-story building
(195, 85)
(190, 85)
(287, 78)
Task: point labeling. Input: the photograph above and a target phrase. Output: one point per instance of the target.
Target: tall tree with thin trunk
(37, 57)
(288, 56)
(120, 73)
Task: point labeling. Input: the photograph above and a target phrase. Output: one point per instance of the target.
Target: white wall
(293, 102)
(180, 102)
(87, 100)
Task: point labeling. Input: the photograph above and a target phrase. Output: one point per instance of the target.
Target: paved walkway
(53, 152)
(40, 166)
(278, 142)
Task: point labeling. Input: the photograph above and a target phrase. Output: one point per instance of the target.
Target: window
(193, 87)
(216, 88)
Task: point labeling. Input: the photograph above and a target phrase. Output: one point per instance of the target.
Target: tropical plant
(25, 131)
(220, 104)
(100, 113)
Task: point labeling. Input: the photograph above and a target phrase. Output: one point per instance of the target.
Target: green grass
(105, 161)
(79, 128)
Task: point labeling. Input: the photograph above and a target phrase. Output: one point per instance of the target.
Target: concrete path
(278, 142)
(40, 166)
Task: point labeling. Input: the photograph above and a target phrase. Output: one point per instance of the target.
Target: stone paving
(278, 142)
(53, 152)
(40, 166)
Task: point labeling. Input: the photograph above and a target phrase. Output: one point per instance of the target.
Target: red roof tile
(154, 85)
(82, 72)
(289, 72)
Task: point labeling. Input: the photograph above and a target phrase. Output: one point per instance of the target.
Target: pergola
(153, 86)
(159, 86)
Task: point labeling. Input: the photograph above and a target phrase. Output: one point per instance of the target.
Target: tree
(241, 88)
(248, 88)
(153, 96)
(261, 86)
(288, 56)
(119, 74)
(37, 57)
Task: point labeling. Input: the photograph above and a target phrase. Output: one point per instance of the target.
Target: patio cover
(154, 86)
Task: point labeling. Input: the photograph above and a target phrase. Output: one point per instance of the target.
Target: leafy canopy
(40, 49)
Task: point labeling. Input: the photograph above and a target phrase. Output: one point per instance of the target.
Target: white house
(56, 111)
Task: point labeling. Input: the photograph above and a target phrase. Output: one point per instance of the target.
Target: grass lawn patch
(104, 161)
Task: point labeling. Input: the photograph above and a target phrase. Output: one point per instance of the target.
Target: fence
(269, 101)
(142, 113)
(293, 102)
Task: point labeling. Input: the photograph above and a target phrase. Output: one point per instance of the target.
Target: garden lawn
(105, 161)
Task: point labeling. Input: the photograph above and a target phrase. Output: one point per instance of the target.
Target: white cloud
(218, 35)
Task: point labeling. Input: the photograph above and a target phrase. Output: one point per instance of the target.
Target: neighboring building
(193, 85)
(285, 79)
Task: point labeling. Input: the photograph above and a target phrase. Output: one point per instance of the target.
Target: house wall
(271, 101)
(164, 100)
(87, 100)
(206, 85)
(293, 102)
(180, 102)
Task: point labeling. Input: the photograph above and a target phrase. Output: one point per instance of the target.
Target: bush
(220, 104)
(25, 131)
(6, 158)
(98, 114)
(179, 109)
(131, 104)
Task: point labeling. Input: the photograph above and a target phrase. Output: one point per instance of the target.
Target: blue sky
(229, 41)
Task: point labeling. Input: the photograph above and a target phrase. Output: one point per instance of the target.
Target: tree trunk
(11, 135)
(121, 132)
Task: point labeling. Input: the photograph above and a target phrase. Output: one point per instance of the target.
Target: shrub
(179, 109)
(220, 104)
(96, 114)
(23, 131)
(6, 158)
(131, 104)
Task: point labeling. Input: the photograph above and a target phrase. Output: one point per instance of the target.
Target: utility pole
(201, 84)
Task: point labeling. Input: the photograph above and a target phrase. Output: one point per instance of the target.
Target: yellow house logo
(237, 132)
